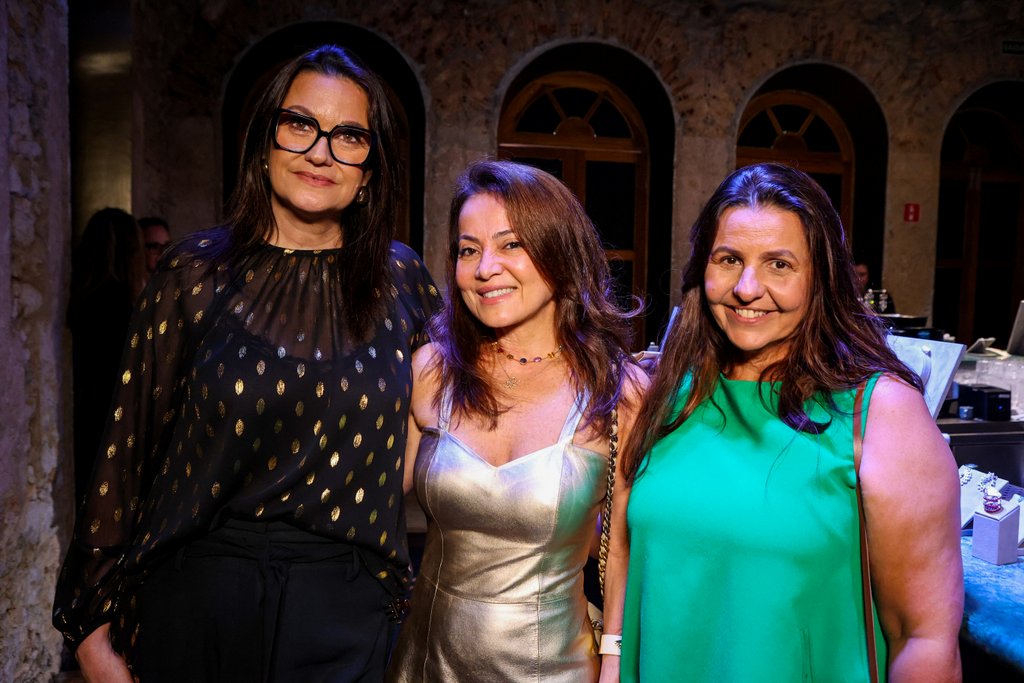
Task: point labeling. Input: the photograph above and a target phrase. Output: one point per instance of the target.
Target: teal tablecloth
(994, 606)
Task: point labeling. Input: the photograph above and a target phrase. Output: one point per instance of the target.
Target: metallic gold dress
(499, 596)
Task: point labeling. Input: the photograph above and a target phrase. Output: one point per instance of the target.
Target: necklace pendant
(511, 383)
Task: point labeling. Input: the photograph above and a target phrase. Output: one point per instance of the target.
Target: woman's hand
(609, 669)
(99, 662)
(911, 503)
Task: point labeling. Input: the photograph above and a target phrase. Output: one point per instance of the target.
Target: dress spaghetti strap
(572, 420)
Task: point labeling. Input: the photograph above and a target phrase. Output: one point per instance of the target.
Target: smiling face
(498, 281)
(758, 284)
(312, 189)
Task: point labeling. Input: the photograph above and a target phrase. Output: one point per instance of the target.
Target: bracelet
(610, 645)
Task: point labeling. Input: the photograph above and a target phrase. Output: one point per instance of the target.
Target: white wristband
(610, 645)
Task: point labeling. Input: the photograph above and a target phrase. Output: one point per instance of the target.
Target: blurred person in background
(107, 275)
(156, 238)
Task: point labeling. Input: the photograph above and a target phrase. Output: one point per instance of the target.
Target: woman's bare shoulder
(901, 434)
(634, 388)
(637, 381)
(426, 375)
(424, 357)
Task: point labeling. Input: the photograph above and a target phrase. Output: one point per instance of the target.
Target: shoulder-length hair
(368, 228)
(838, 344)
(564, 246)
(109, 251)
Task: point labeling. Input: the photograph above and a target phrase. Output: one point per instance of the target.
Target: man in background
(861, 270)
(879, 300)
(156, 237)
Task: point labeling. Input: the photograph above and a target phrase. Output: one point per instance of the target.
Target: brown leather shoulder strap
(865, 563)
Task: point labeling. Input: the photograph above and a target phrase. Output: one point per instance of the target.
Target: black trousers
(263, 603)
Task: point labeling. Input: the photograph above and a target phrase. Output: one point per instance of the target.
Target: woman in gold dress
(509, 437)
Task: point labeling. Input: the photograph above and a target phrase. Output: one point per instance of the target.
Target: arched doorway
(584, 130)
(979, 265)
(830, 124)
(258, 66)
(586, 113)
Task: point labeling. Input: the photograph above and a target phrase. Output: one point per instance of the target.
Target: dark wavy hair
(566, 250)
(838, 344)
(367, 229)
(109, 251)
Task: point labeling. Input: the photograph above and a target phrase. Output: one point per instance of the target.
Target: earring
(362, 196)
(266, 166)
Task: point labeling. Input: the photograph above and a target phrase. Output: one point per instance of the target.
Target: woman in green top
(742, 545)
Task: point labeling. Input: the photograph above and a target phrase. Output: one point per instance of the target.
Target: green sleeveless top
(745, 548)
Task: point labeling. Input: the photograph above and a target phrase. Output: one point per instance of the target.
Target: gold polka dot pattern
(242, 394)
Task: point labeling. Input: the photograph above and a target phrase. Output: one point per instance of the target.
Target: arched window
(583, 129)
(799, 129)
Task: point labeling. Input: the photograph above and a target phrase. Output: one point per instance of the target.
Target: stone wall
(919, 59)
(34, 248)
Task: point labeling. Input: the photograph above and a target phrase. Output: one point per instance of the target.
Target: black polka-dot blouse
(241, 396)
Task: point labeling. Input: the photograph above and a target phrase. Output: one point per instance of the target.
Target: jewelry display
(966, 474)
(993, 501)
(877, 300)
(987, 481)
(972, 497)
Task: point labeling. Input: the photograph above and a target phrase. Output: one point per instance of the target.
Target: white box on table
(995, 534)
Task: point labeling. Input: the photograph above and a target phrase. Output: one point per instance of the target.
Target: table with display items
(992, 631)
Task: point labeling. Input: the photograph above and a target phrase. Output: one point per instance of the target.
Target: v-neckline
(572, 419)
(476, 454)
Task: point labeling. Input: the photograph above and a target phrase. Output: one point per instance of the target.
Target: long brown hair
(109, 251)
(565, 248)
(367, 229)
(837, 345)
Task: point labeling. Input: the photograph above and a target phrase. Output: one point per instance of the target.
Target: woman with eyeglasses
(244, 521)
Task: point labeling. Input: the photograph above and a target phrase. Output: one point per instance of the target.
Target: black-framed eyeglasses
(157, 247)
(298, 133)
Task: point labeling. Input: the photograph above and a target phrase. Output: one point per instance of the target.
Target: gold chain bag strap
(865, 565)
(596, 616)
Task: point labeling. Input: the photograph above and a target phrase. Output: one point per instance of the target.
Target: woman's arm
(615, 577)
(139, 422)
(412, 446)
(98, 661)
(421, 407)
(911, 503)
(618, 541)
